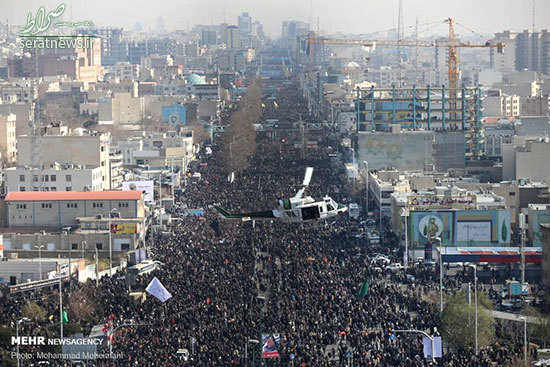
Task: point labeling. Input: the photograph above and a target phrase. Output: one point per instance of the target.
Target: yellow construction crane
(453, 73)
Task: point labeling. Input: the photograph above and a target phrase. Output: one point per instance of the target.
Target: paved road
(513, 317)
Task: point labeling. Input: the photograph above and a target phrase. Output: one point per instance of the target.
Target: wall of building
(58, 214)
(84, 150)
(405, 150)
(8, 139)
(474, 228)
(533, 162)
(72, 179)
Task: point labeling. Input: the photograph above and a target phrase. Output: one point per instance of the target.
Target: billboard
(464, 228)
(405, 150)
(417, 201)
(270, 345)
(145, 186)
(123, 228)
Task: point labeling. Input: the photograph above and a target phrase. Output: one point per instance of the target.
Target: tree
(458, 322)
(5, 336)
(239, 141)
(71, 329)
(82, 304)
(541, 330)
(33, 311)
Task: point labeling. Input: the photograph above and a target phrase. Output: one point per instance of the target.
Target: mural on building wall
(474, 228)
(408, 150)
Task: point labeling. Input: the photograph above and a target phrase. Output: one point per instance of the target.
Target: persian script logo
(42, 21)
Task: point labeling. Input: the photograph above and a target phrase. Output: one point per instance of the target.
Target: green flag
(65, 317)
(364, 290)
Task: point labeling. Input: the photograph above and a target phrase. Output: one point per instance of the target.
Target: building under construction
(454, 116)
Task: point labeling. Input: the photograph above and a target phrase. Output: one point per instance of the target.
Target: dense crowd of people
(232, 281)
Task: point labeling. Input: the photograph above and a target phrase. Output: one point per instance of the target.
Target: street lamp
(260, 298)
(354, 169)
(524, 318)
(24, 319)
(440, 274)
(475, 302)
(66, 230)
(367, 187)
(110, 244)
(405, 213)
(39, 260)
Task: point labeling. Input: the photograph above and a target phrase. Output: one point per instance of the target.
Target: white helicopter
(295, 209)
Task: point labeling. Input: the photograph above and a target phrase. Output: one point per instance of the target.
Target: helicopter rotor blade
(307, 177)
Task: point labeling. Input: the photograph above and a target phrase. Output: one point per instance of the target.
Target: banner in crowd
(270, 345)
(193, 213)
(155, 288)
(436, 352)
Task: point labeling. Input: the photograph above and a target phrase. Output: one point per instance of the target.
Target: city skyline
(487, 17)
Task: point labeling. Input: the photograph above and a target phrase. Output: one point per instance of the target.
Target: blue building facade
(175, 115)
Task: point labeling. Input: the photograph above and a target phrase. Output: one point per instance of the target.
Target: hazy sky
(347, 16)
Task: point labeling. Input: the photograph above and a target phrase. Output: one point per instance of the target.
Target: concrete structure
(382, 185)
(233, 40)
(55, 177)
(532, 160)
(24, 112)
(61, 209)
(502, 106)
(537, 215)
(505, 61)
(121, 109)
(519, 194)
(80, 150)
(158, 150)
(125, 70)
(532, 126)
(496, 135)
(77, 243)
(545, 234)
(535, 106)
(527, 50)
(18, 92)
(8, 139)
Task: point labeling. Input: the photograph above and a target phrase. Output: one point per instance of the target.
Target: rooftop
(72, 195)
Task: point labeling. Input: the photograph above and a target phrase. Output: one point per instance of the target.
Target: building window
(21, 178)
(68, 188)
(74, 246)
(68, 178)
(72, 205)
(21, 206)
(34, 188)
(125, 246)
(512, 193)
(99, 246)
(53, 178)
(97, 205)
(53, 188)
(123, 205)
(45, 178)
(34, 178)
(22, 188)
(46, 205)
